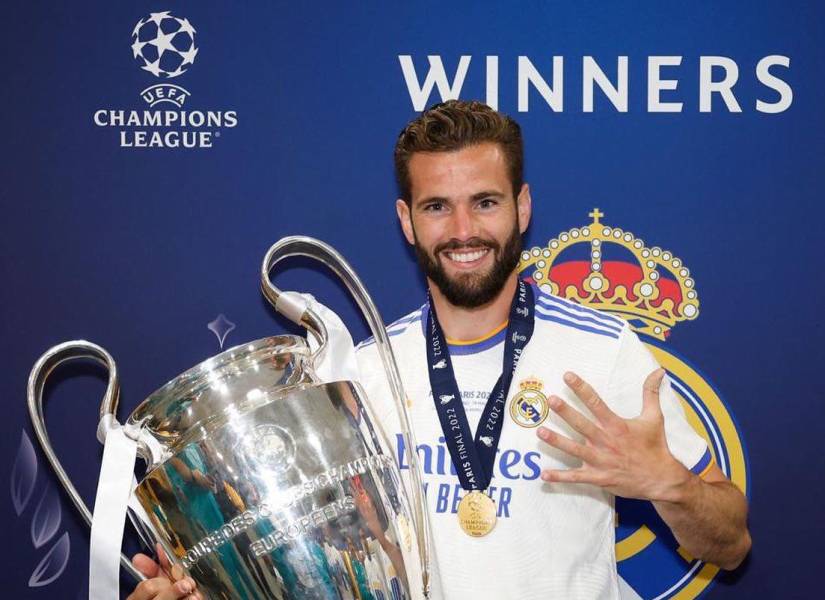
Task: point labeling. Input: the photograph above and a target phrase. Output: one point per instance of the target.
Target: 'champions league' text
(166, 128)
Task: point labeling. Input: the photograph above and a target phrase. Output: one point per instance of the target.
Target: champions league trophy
(261, 480)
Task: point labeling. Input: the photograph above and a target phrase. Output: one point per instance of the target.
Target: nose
(462, 224)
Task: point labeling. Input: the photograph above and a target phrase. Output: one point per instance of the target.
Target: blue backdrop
(111, 235)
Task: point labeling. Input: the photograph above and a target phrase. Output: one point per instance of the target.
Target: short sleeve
(633, 364)
(374, 382)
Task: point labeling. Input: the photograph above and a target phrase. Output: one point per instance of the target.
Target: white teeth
(466, 256)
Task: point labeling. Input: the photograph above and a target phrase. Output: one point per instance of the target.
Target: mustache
(475, 243)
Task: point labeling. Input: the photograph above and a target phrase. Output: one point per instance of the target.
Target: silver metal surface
(263, 482)
(290, 492)
(78, 349)
(326, 254)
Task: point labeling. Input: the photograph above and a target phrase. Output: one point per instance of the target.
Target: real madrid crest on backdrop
(610, 269)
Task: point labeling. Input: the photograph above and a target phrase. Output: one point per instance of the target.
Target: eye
(486, 203)
(433, 207)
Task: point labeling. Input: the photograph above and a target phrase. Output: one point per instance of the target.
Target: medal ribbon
(473, 457)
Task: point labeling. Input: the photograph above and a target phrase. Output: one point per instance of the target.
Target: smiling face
(464, 222)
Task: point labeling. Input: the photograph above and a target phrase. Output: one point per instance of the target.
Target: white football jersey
(551, 541)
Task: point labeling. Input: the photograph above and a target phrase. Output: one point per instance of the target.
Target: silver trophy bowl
(262, 481)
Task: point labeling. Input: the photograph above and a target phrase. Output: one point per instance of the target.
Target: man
(537, 486)
(484, 360)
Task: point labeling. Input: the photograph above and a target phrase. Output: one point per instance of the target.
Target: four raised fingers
(611, 424)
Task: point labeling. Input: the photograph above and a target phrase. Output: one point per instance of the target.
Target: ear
(405, 218)
(524, 206)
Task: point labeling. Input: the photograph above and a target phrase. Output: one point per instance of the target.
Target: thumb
(146, 565)
(650, 392)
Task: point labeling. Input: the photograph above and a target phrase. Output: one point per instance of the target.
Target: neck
(460, 323)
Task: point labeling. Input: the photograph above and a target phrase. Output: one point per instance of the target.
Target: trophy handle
(37, 379)
(298, 312)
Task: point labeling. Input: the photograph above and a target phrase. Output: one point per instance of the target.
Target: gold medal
(477, 514)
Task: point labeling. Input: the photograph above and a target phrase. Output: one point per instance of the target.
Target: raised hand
(627, 457)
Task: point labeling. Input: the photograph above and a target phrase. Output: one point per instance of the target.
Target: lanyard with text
(474, 458)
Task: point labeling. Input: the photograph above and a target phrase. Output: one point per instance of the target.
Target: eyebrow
(477, 196)
(429, 199)
(487, 194)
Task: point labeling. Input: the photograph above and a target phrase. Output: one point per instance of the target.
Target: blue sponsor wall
(109, 234)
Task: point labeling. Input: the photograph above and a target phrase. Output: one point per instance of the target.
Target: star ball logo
(165, 46)
(163, 38)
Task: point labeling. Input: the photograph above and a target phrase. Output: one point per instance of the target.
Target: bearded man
(531, 412)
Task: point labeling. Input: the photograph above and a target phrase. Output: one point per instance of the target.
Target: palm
(627, 457)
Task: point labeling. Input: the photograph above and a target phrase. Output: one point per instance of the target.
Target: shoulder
(566, 314)
(405, 325)
(406, 338)
(407, 328)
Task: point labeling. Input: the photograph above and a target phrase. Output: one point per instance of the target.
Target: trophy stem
(50, 360)
(297, 311)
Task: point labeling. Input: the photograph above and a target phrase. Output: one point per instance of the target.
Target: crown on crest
(652, 290)
(531, 383)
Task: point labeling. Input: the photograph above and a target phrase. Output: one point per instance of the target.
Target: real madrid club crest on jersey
(529, 407)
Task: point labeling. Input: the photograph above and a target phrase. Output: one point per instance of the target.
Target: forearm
(708, 519)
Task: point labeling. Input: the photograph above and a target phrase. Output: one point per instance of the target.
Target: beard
(471, 290)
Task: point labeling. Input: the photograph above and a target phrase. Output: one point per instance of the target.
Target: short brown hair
(451, 126)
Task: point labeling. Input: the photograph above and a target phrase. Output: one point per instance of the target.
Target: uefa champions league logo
(164, 44)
